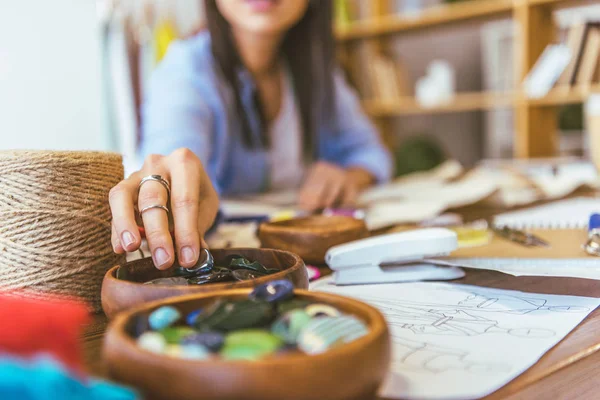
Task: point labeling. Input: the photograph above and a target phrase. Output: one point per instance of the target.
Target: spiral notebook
(564, 214)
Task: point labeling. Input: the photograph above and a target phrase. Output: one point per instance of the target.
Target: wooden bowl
(119, 294)
(351, 371)
(311, 237)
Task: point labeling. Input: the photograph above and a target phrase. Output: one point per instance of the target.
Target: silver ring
(156, 178)
(143, 210)
(208, 263)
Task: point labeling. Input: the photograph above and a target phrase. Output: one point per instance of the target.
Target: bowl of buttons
(133, 283)
(272, 342)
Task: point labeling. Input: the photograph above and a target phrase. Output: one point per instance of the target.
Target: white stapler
(396, 257)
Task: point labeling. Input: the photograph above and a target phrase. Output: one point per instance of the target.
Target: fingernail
(127, 239)
(161, 257)
(188, 255)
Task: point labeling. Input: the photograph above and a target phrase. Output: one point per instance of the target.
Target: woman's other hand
(193, 204)
(328, 185)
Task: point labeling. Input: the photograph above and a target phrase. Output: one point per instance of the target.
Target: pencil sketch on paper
(500, 303)
(429, 358)
(512, 304)
(459, 341)
(449, 322)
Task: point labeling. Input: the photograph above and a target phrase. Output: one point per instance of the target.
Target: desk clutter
(242, 312)
(451, 340)
(422, 196)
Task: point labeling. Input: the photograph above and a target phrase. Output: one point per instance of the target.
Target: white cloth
(286, 157)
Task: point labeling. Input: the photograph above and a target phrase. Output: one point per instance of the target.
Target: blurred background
(441, 79)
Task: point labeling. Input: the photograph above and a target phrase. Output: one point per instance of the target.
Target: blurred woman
(253, 104)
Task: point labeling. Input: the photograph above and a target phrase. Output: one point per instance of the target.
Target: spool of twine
(55, 222)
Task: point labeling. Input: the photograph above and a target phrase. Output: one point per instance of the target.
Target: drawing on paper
(501, 303)
(513, 304)
(450, 322)
(459, 341)
(427, 357)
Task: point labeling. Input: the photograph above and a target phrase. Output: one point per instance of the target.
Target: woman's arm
(357, 142)
(353, 156)
(175, 113)
(176, 143)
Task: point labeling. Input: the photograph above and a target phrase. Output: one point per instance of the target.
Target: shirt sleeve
(175, 114)
(357, 141)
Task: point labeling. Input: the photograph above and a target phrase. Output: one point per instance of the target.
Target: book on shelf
(385, 78)
(547, 70)
(583, 40)
(376, 76)
(588, 68)
(575, 43)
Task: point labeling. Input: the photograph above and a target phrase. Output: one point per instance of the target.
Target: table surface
(569, 370)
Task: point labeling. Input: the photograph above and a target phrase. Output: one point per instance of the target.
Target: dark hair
(308, 48)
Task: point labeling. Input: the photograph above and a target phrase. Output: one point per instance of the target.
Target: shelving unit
(471, 101)
(535, 119)
(434, 16)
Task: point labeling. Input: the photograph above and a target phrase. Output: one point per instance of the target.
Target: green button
(250, 344)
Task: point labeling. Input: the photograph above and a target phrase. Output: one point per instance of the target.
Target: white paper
(586, 268)
(524, 182)
(387, 213)
(564, 214)
(453, 341)
(404, 186)
(418, 200)
(237, 208)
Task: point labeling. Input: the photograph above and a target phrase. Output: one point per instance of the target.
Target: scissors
(521, 237)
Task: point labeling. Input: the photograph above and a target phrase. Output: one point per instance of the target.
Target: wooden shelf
(565, 95)
(462, 102)
(535, 120)
(438, 15)
(469, 101)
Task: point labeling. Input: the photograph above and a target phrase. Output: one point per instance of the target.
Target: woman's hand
(328, 185)
(193, 204)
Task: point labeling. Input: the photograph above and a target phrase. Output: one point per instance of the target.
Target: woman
(244, 108)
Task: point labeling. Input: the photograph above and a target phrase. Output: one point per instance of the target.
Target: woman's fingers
(208, 206)
(325, 187)
(334, 190)
(192, 201)
(152, 197)
(185, 198)
(122, 200)
(350, 195)
(114, 239)
(313, 193)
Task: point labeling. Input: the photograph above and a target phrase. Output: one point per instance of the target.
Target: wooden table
(568, 371)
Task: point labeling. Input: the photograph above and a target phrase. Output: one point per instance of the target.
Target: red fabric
(51, 325)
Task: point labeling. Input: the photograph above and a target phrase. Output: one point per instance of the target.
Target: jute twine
(55, 222)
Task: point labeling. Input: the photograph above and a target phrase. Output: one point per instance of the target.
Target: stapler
(395, 257)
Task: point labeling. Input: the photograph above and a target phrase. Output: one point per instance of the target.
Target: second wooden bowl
(351, 371)
(121, 294)
(311, 237)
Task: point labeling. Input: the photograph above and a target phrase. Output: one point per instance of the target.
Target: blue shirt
(188, 105)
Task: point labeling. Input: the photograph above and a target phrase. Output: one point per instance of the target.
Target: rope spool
(55, 222)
